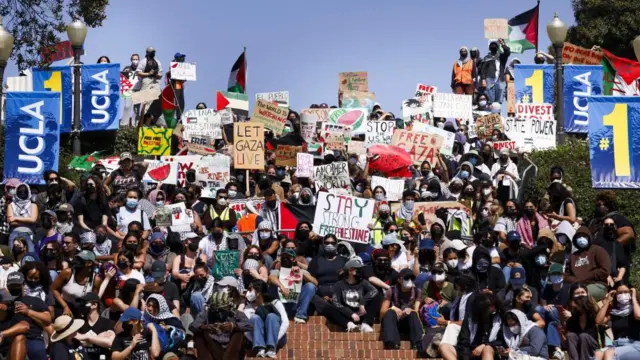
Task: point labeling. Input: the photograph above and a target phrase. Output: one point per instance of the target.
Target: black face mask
(232, 243)
(529, 213)
(32, 284)
(436, 233)
(127, 328)
(610, 232)
(78, 264)
(22, 194)
(193, 246)
(514, 245)
(493, 49)
(17, 250)
(601, 211)
(85, 310)
(383, 266)
(115, 211)
(303, 235)
(216, 235)
(15, 291)
(91, 189)
(131, 247)
(123, 265)
(254, 257)
(101, 238)
(384, 216)
(271, 203)
(287, 263)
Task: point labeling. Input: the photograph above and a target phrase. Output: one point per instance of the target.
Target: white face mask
(251, 296)
(439, 277)
(515, 329)
(265, 235)
(623, 299)
(452, 264)
(296, 195)
(232, 193)
(487, 191)
(222, 202)
(408, 284)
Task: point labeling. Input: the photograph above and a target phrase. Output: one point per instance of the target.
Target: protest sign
(486, 124)
(452, 106)
(100, 97)
(57, 79)
(499, 145)
(534, 84)
(128, 81)
(212, 173)
(248, 146)
(204, 122)
(357, 147)
(286, 155)
(183, 71)
(421, 147)
(32, 135)
(304, 165)
(531, 134)
(511, 97)
(143, 96)
(309, 118)
(180, 215)
(154, 141)
(160, 172)
(225, 262)
(356, 81)
(425, 91)
(393, 187)
(379, 132)
(61, 51)
(272, 116)
(573, 54)
(614, 148)
(239, 205)
(334, 175)
(357, 99)
(279, 97)
(354, 118)
(292, 281)
(329, 128)
(417, 110)
(448, 137)
(346, 217)
(185, 163)
(164, 216)
(236, 102)
(201, 145)
(496, 29)
(429, 209)
(580, 82)
(535, 111)
(335, 141)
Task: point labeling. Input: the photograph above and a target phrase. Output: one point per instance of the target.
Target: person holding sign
(492, 71)
(269, 319)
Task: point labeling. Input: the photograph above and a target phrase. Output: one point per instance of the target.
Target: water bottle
(103, 357)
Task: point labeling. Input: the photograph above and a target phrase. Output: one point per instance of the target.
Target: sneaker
(366, 328)
(299, 321)
(351, 327)
(558, 354)
(262, 353)
(271, 354)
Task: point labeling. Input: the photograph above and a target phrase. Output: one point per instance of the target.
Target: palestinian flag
(621, 75)
(169, 107)
(238, 76)
(292, 214)
(523, 31)
(84, 163)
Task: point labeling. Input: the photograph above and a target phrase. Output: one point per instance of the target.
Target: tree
(38, 24)
(610, 24)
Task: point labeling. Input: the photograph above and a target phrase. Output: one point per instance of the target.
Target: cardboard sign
(429, 209)
(185, 163)
(331, 176)
(154, 141)
(417, 110)
(213, 173)
(448, 138)
(201, 145)
(354, 118)
(379, 132)
(346, 217)
(421, 147)
(62, 50)
(304, 165)
(535, 111)
(496, 29)
(511, 97)
(499, 145)
(531, 134)
(292, 281)
(452, 106)
(423, 91)
(237, 103)
(309, 118)
(279, 97)
(272, 116)
(573, 54)
(335, 141)
(286, 155)
(357, 99)
(143, 96)
(248, 146)
(225, 262)
(205, 122)
(183, 71)
(357, 147)
(393, 187)
(178, 213)
(239, 205)
(160, 172)
(355, 81)
(486, 124)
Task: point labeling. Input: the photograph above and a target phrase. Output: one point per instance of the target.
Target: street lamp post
(557, 31)
(636, 47)
(6, 46)
(77, 32)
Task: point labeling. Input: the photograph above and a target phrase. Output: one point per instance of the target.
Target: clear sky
(302, 45)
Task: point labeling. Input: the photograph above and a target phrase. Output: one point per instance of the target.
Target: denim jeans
(36, 350)
(306, 294)
(552, 319)
(495, 90)
(265, 329)
(268, 260)
(197, 303)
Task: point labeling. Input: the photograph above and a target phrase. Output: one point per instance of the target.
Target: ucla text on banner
(57, 79)
(580, 82)
(614, 145)
(534, 84)
(100, 97)
(32, 135)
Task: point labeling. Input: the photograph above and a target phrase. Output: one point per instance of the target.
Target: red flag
(628, 70)
(168, 99)
(221, 101)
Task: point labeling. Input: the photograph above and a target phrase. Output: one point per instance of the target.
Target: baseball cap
(427, 244)
(513, 236)
(87, 255)
(51, 213)
(405, 273)
(126, 156)
(88, 298)
(179, 54)
(130, 314)
(353, 264)
(65, 207)
(15, 278)
(518, 277)
(505, 151)
(228, 281)
(555, 269)
(458, 245)
(158, 270)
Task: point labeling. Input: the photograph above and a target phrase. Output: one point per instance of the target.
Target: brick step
(326, 354)
(340, 345)
(323, 328)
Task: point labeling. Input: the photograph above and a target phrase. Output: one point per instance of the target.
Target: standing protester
(464, 71)
(493, 71)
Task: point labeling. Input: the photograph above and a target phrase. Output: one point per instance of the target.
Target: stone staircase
(318, 339)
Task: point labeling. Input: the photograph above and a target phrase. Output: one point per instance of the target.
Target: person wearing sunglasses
(221, 210)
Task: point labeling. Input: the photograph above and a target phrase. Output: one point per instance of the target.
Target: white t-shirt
(134, 274)
(399, 261)
(125, 217)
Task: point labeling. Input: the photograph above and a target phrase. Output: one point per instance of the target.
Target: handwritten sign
(292, 281)
(423, 91)
(346, 217)
(420, 146)
(535, 111)
(393, 187)
(429, 209)
(205, 122)
(353, 118)
(179, 214)
(357, 147)
(248, 146)
(496, 29)
(511, 97)
(240, 205)
(452, 106)
(417, 110)
(531, 134)
(225, 262)
(486, 124)
(154, 141)
(286, 155)
(357, 99)
(269, 114)
(183, 71)
(379, 132)
(212, 172)
(304, 165)
(331, 176)
(185, 163)
(335, 141)
(573, 54)
(160, 172)
(62, 50)
(279, 97)
(202, 145)
(309, 118)
(499, 145)
(356, 81)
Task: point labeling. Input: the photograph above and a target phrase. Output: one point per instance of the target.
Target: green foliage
(38, 24)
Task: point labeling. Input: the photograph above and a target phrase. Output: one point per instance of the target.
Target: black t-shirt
(326, 271)
(34, 304)
(625, 327)
(140, 352)
(553, 297)
(102, 325)
(121, 183)
(92, 210)
(61, 350)
(390, 278)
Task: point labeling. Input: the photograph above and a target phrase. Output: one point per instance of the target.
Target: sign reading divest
(452, 106)
(183, 71)
(356, 81)
(535, 111)
(269, 114)
(32, 135)
(204, 122)
(100, 97)
(346, 217)
(279, 97)
(379, 132)
(332, 176)
(499, 145)
(248, 146)
(580, 82)
(225, 262)
(421, 147)
(534, 84)
(154, 141)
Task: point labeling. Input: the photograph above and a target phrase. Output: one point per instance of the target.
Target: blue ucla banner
(614, 144)
(100, 97)
(32, 135)
(534, 84)
(57, 79)
(580, 82)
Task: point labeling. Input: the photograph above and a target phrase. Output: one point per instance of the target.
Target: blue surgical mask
(132, 203)
(159, 203)
(473, 160)
(408, 205)
(582, 242)
(541, 260)
(359, 189)
(464, 174)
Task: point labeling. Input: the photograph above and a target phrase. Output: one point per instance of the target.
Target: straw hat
(65, 326)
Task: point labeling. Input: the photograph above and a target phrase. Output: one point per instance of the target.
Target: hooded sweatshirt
(530, 340)
(493, 279)
(348, 297)
(590, 265)
(444, 242)
(471, 177)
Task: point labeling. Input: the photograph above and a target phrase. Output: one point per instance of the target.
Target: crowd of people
(87, 271)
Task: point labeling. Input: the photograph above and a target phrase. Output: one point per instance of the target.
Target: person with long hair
(130, 213)
(622, 309)
(269, 319)
(530, 224)
(38, 283)
(580, 324)
(76, 281)
(126, 265)
(183, 265)
(92, 208)
(562, 206)
(508, 222)
(252, 266)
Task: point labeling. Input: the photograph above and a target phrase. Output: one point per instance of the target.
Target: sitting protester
(400, 310)
(622, 310)
(521, 338)
(269, 319)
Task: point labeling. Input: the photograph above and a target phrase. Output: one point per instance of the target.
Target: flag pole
(538, 27)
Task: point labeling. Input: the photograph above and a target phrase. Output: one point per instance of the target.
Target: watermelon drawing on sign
(351, 117)
(160, 173)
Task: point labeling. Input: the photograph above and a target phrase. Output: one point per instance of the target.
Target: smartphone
(560, 308)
